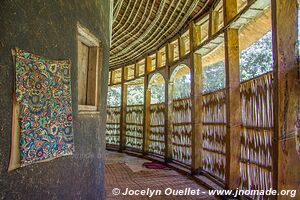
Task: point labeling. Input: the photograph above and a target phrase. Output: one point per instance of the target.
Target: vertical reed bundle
(257, 133)
(134, 126)
(182, 130)
(214, 133)
(113, 125)
(157, 128)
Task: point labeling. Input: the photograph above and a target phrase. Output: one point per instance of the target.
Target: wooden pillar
(196, 97)
(158, 59)
(233, 109)
(146, 135)
(286, 162)
(169, 131)
(168, 103)
(113, 77)
(123, 112)
(125, 73)
(213, 22)
(182, 49)
(170, 53)
(110, 79)
(230, 10)
(136, 70)
(148, 62)
(233, 101)
(168, 142)
(147, 98)
(195, 35)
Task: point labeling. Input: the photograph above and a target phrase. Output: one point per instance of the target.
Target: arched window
(181, 114)
(157, 115)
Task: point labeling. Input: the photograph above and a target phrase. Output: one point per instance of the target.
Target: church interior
(162, 99)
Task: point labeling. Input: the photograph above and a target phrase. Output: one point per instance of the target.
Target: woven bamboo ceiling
(141, 26)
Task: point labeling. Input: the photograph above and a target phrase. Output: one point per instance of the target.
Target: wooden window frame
(87, 38)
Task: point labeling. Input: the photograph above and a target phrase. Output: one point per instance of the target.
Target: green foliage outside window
(182, 87)
(254, 61)
(135, 94)
(157, 93)
(114, 96)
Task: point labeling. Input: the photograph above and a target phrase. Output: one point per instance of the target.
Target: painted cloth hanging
(43, 93)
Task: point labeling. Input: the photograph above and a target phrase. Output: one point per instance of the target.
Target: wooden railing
(214, 133)
(157, 129)
(257, 133)
(134, 126)
(182, 130)
(113, 125)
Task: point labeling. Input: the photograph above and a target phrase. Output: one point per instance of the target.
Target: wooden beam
(210, 24)
(158, 59)
(168, 103)
(136, 70)
(148, 62)
(125, 74)
(147, 102)
(196, 97)
(170, 53)
(110, 78)
(123, 113)
(169, 132)
(286, 162)
(113, 77)
(195, 35)
(182, 49)
(233, 109)
(230, 10)
(213, 22)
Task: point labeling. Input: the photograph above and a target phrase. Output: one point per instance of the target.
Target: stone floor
(123, 171)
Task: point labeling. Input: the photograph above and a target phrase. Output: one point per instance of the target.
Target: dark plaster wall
(48, 28)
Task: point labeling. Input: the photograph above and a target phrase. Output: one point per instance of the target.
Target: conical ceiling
(141, 26)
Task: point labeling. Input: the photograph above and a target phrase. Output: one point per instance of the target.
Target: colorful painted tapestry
(43, 91)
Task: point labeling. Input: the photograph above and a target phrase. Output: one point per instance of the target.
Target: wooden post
(210, 24)
(125, 74)
(136, 70)
(196, 97)
(233, 102)
(168, 103)
(233, 109)
(148, 63)
(170, 53)
(146, 135)
(169, 132)
(123, 113)
(195, 35)
(147, 98)
(230, 10)
(182, 49)
(113, 77)
(158, 59)
(109, 79)
(213, 22)
(286, 162)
